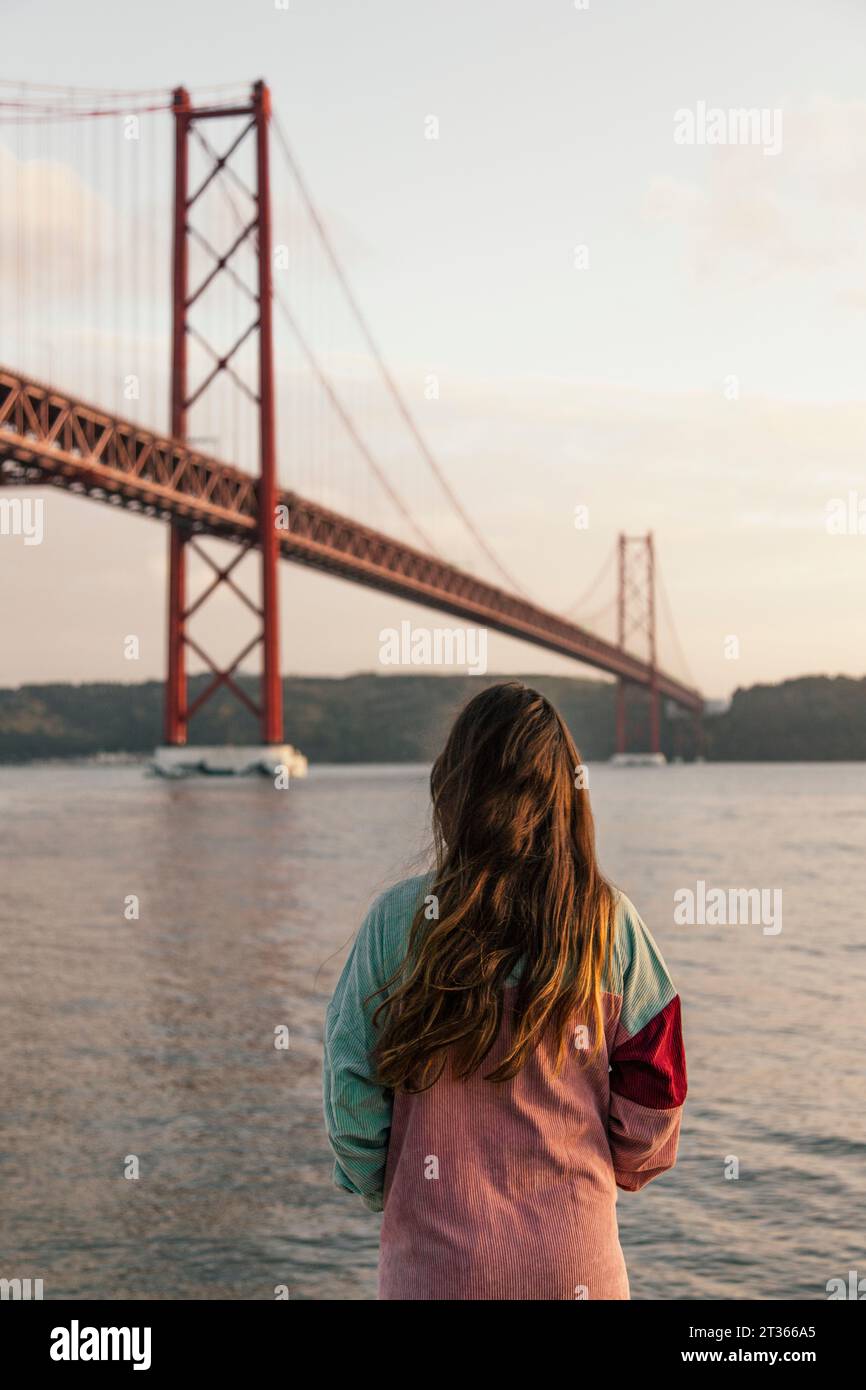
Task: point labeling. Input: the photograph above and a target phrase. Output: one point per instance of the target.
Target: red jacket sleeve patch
(650, 1068)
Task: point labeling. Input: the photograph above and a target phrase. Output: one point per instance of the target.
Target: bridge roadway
(49, 438)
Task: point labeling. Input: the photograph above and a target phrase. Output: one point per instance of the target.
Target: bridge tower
(256, 233)
(636, 617)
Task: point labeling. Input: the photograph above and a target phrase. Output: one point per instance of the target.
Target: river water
(148, 1042)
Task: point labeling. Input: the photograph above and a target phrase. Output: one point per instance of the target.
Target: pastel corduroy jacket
(508, 1190)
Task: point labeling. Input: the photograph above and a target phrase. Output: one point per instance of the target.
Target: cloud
(798, 213)
(48, 215)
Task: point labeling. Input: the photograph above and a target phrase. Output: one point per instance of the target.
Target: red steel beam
(272, 688)
(636, 591)
(178, 712)
(176, 702)
(655, 714)
(620, 625)
(48, 438)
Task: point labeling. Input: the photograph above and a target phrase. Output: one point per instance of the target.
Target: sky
(668, 334)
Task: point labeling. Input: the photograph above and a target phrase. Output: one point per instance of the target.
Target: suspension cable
(390, 383)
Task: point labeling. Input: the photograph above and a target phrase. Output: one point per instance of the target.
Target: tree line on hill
(404, 718)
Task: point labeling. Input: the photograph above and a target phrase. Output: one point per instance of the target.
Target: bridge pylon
(636, 618)
(256, 232)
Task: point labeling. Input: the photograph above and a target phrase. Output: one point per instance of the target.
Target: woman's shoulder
(628, 926)
(402, 897)
(638, 961)
(390, 918)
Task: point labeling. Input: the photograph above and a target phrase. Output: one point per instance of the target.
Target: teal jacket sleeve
(357, 1108)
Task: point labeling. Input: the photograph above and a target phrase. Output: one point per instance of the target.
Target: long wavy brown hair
(515, 880)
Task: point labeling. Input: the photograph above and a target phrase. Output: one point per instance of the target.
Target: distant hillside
(363, 718)
(371, 718)
(812, 718)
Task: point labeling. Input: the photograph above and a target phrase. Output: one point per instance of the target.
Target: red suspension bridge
(222, 386)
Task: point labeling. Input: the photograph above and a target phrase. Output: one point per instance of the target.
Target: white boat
(269, 760)
(638, 760)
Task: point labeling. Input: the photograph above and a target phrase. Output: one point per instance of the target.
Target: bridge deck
(48, 438)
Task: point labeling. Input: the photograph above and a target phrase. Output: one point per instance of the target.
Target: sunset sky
(698, 370)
